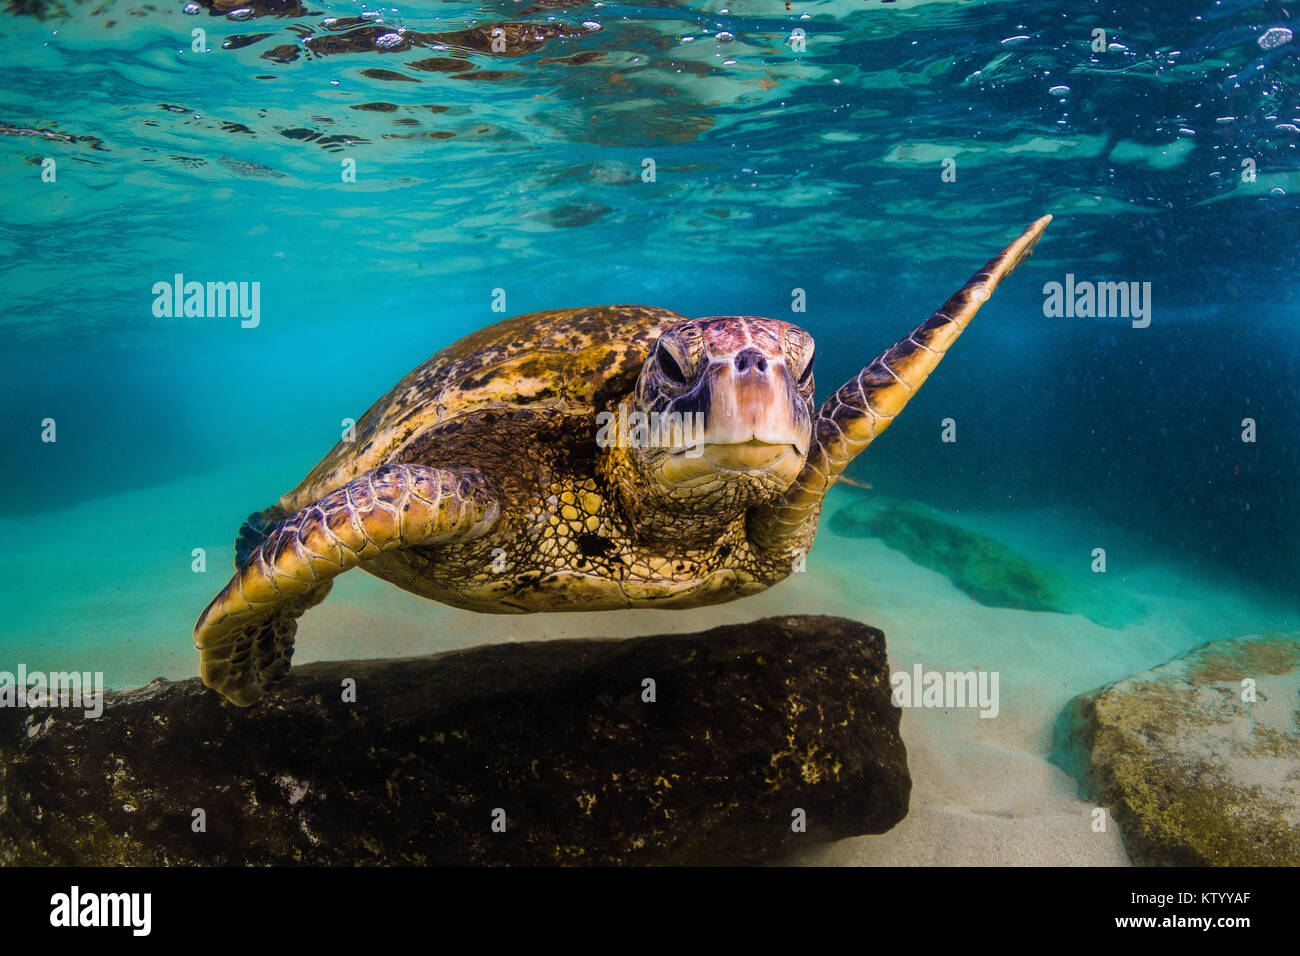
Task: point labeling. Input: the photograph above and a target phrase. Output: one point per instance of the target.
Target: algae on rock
(987, 570)
(1198, 760)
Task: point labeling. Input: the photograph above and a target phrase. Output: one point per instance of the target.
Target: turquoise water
(820, 169)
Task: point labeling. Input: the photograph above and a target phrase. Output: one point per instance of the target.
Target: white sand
(107, 586)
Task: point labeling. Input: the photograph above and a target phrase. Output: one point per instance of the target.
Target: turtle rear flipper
(245, 635)
(255, 529)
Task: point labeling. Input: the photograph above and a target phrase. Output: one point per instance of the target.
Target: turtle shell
(576, 361)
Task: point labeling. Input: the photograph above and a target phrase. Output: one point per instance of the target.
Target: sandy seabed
(109, 585)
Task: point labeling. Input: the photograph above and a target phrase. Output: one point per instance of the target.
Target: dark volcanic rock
(750, 723)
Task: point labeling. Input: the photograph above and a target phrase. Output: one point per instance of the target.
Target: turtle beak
(779, 464)
(753, 402)
(755, 422)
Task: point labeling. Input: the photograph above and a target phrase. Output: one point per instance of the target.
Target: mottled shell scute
(574, 361)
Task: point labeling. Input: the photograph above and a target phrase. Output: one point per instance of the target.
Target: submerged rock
(1198, 760)
(555, 740)
(990, 572)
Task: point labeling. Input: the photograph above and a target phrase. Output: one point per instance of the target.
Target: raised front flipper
(245, 636)
(866, 405)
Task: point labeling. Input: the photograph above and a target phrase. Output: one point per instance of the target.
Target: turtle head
(732, 396)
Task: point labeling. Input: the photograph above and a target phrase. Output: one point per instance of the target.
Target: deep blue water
(774, 170)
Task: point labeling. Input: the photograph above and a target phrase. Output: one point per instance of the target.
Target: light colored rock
(1198, 760)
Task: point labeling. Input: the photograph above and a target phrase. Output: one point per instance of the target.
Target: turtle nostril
(750, 358)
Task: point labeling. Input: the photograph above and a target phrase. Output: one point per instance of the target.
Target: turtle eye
(668, 365)
(806, 374)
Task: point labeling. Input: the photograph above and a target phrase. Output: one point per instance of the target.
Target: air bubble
(1274, 37)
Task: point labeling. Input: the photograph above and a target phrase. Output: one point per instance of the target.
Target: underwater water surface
(387, 175)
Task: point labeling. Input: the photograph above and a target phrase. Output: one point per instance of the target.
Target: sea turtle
(545, 464)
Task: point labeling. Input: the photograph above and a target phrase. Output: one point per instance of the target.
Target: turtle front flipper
(867, 404)
(254, 531)
(245, 636)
